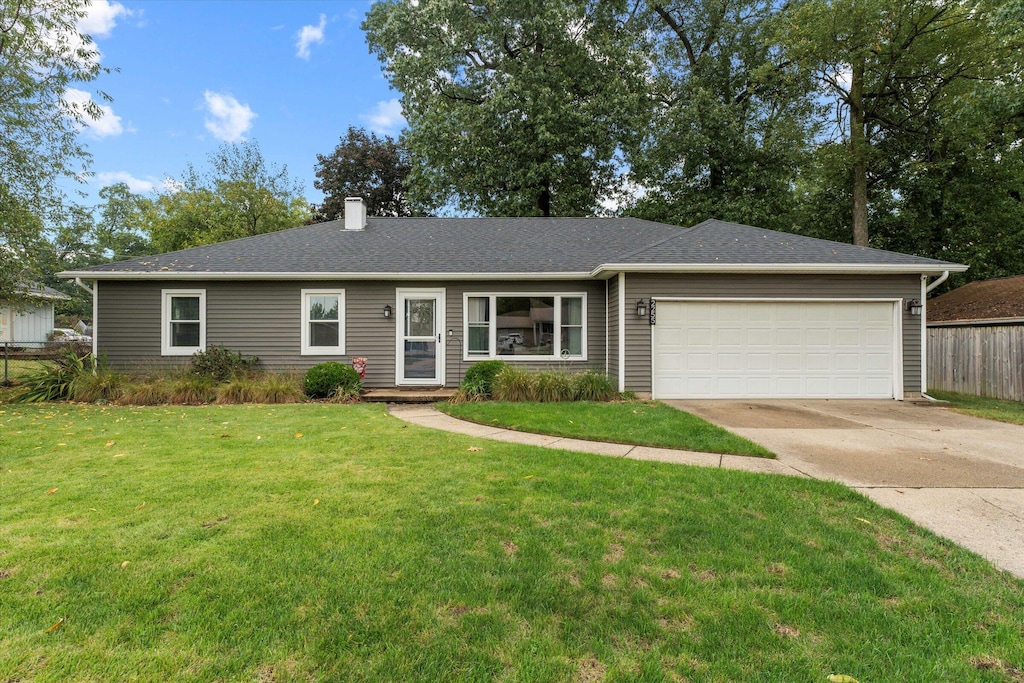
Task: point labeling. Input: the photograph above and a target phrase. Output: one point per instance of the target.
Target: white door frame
(401, 295)
(897, 321)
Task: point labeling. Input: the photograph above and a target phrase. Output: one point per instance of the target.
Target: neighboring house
(716, 310)
(976, 339)
(32, 323)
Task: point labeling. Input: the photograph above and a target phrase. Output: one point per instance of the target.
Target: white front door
(420, 341)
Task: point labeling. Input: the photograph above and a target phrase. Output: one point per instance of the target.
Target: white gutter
(924, 328)
(942, 278)
(203, 275)
(92, 292)
(826, 268)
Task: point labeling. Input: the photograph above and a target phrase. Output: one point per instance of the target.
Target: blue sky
(193, 75)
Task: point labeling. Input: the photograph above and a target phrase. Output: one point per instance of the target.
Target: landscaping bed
(327, 541)
(644, 423)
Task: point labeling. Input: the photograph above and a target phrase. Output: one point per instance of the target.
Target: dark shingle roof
(715, 241)
(499, 245)
(982, 300)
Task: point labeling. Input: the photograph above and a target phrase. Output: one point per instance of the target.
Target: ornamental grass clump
(592, 386)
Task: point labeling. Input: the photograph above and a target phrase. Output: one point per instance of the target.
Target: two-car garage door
(774, 349)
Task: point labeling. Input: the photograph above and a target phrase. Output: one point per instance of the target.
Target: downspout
(924, 330)
(92, 293)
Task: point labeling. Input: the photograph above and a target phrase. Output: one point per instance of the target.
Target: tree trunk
(858, 152)
(544, 200)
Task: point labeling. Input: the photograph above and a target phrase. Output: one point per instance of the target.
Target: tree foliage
(363, 165)
(730, 117)
(513, 107)
(42, 53)
(240, 195)
(893, 68)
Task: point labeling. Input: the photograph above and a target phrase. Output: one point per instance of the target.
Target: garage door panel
(719, 349)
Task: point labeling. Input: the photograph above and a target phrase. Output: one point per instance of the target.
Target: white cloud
(229, 119)
(102, 17)
(310, 35)
(387, 118)
(134, 184)
(107, 125)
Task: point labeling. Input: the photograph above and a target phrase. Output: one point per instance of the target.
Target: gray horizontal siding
(638, 330)
(264, 319)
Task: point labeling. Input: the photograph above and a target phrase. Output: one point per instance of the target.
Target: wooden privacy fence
(984, 360)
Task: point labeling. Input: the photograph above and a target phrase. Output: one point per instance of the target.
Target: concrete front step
(417, 395)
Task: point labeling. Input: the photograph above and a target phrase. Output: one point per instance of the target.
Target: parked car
(66, 334)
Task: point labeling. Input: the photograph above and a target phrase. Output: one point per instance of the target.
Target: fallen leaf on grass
(139, 507)
(299, 435)
(56, 626)
(51, 492)
(124, 564)
(316, 501)
(861, 519)
(120, 455)
(110, 443)
(841, 678)
(473, 449)
(528, 476)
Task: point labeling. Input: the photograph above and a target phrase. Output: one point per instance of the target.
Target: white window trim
(165, 322)
(493, 333)
(306, 349)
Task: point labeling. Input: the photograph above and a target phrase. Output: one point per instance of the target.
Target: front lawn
(980, 406)
(641, 423)
(333, 542)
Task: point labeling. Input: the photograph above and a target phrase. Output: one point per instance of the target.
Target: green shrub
(326, 379)
(479, 378)
(220, 364)
(551, 387)
(592, 386)
(55, 381)
(513, 384)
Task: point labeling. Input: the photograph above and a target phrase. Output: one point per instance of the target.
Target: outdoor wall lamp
(641, 308)
(914, 306)
(387, 310)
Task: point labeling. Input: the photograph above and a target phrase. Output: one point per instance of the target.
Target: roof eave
(792, 268)
(205, 275)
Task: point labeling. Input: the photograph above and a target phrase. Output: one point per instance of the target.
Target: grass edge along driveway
(330, 542)
(640, 423)
(1001, 410)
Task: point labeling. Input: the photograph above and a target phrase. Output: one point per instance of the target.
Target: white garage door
(773, 349)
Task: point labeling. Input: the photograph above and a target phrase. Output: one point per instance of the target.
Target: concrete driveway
(960, 476)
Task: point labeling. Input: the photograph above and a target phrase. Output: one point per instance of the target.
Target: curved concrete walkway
(974, 495)
(429, 416)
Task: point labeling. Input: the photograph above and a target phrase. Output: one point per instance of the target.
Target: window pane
(419, 317)
(323, 334)
(420, 359)
(478, 341)
(572, 339)
(478, 309)
(323, 307)
(572, 310)
(525, 325)
(185, 334)
(184, 308)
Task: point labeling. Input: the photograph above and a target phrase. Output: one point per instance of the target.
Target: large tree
(891, 67)
(729, 115)
(240, 195)
(42, 53)
(365, 165)
(513, 107)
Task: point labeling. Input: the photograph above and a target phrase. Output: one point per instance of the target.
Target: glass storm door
(420, 341)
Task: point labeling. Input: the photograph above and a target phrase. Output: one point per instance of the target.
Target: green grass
(216, 543)
(634, 422)
(980, 406)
